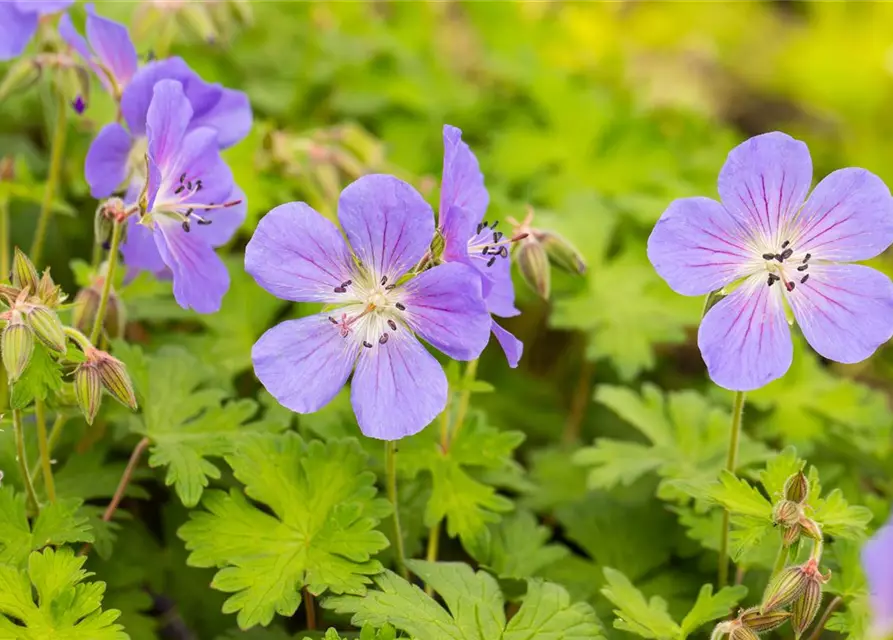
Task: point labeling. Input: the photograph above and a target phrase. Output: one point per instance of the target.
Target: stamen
(806, 258)
(480, 227)
(332, 320)
(346, 283)
(383, 339)
(204, 222)
(493, 226)
(804, 279)
(491, 261)
(503, 251)
(803, 267)
(392, 325)
(773, 279)
(484, 250)
(497, 236)
(186, 226)
(198, 185)
(367, 345)
(789, 286)
(768, 256)
(390, 287)
(400, 306)
(189, 185)
(520, 236)
(787, 253)
(784, 245)
(182, 177)
(340, 290)
(179, 190)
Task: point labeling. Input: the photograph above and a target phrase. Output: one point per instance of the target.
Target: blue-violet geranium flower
(108, 49)
(877, 561)
(189, 203)
(471, 240)
(19, 20)
(398, 387)
(780, 248)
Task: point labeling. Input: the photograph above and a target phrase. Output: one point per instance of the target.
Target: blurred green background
(595, 114)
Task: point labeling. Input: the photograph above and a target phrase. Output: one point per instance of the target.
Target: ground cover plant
(554, 321)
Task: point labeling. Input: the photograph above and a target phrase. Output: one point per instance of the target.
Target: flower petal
(138, 95)
(304, 363)
(198, 158)
(200, 277)
(458, 227)
(445, 307)
(512, 347)
(848, 217)
(499, 289)
(230, 115)
(877, 561)
(139, 249)
(296, 254)
(844, 310)
(763, 183)
(42, 7)
(167, 120)
(111, 42)
(388, 224)
(225, 221)
(16, 30)
(698, 247)
(106, 165)
(745, 340)
(463, 197)
(398, 388)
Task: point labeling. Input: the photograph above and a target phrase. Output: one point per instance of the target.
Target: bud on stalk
(784, 589)
(113, 376)
(23, 272)
(561, 252)
(810, 528)
(534, 265)
(47, 328)
(86, 306)
(786, 513)
(790, 535)
(796, 488)
(17, 344)
(806, 607)
(88, 390)
(762, 622)
(743, 633)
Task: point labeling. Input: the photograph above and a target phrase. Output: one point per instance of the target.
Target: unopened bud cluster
(789, 513)
(538, 250)
(101, 371)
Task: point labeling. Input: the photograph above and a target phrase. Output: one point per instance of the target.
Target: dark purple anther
(392, 325)
(789, 286)
(784, 245)
(79, 105)
(367, 344)
(497, 236)
(768, 256)
(400, 306)
(807, 257)
(179, 190)
(491, 261)
(804, 279)
(186, 226)
(787, 253)
(340, 290)
(384, 280)
(383, 339)
(803, 267)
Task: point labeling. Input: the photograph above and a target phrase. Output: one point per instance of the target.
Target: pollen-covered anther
(383, 339)
(392, 325)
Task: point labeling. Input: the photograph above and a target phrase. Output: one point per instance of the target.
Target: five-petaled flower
(19, 20)
(108, 49)
(398, 387)
(877, 561)
(471, 240)
(189, 187)
(780, 248)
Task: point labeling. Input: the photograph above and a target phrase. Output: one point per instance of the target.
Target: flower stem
(4, 239)
(464, 398)
(391, 479)
(141, 446)
(55, 434)
(309, 609)
(780, 560)
(731, 463)
(57, 148)
(832, 606)
(580, 402)
(23, 460)
(431, 555)
(107, 284)
(43, 447)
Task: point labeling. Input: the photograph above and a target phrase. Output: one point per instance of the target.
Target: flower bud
(17, 344)
(23, 272)
(742, 633)
(86, 305)
(810, 528)
(562, 253)
(805, 608)
(9, 294)
(534, 265)
(796, 488)
(762, 622)
(790, 535)
(21, 75)
(784, 589)
(47, 328)
(49, 293)
(438, 244)
(7, 169)
(88, 390)
(786, 513)
(113, 376)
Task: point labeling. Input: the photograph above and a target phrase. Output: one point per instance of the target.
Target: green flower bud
(790, 535)
(23, 272)
(86, 304)
(786, 513)
(743, 633)
(17, 344)
(806, 607)
(562, 253)
(113, 376)
(49, 292)
(88, 390)
(534, 265)
(762, 622)
(21, 75)
(796, 488)
(47, 328)
(784, 589)
(810, 528)
(438, 244)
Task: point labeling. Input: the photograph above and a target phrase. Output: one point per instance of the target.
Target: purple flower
(780, 247)
(398, 387)
(192, 204)
(18, 22)
(108, 49)
(117, 155)
(877, 560)
(469, 239)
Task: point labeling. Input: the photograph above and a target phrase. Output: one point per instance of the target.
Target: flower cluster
(386, 285)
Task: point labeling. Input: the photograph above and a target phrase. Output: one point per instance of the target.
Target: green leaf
(184, 419)
(58, 523)
(42, 377)
(475, 607)
(739, 497)
(320, 532)
(646, 618)
(457, 494)
(518, 547)
(840, 519)
(711, 606)
(65, 606)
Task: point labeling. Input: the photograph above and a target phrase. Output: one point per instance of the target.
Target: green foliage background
(592, 466)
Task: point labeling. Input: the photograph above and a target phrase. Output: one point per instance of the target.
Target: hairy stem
(55, 434)
(731, 463)
(780, 560)
(832, 606)
(581, 400)
(5, 264)
(57, 148)
(464, 398)
(310, 609)
(391, 480)
(34, 505)
(431, 555)
(44, 448)
(107, 284)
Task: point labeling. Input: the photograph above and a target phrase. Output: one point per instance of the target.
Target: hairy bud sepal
(796, 488)
(113, 377)
(786, 513)
(743, 633)
(763, 622)
(784, 589)
(24, 275)
(534, 265)
(88, 390)
(562, 253)
(47, 328)
(17, 344)
(806, 607)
